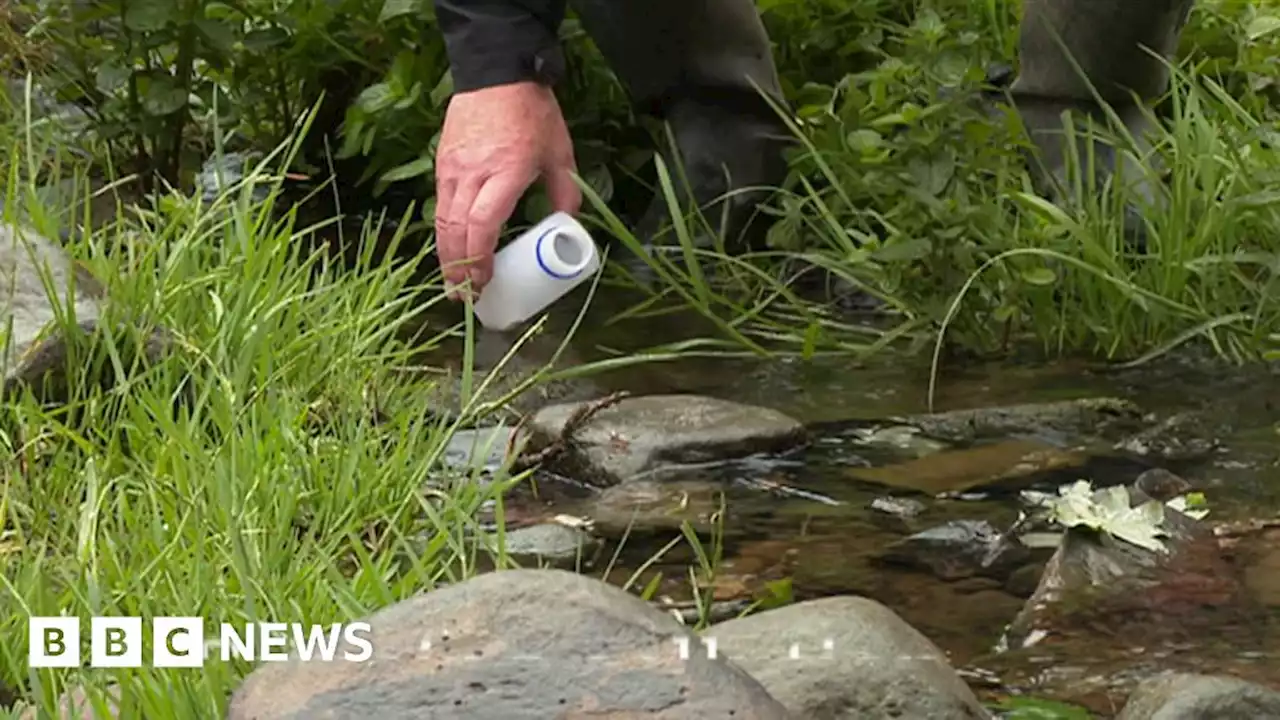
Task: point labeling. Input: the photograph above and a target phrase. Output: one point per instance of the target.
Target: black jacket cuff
(498, 42)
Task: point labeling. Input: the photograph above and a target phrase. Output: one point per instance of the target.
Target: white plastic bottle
(535, 270)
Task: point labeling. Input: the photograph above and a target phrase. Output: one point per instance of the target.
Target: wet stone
(1094, 582)
(957, 550)
(642, 434)
(1023, 581)
(514, 645)
(1087, 417)
(899, 514)
(1184, 436)
(549, 544)
(482, 449)
(983, 466)
(903, 440)
(905, 508)
(644, 507)
(846, 658)
(1182, 696)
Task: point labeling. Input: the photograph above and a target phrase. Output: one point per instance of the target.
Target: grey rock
(549, 544)
(482, 449)
(35, 328)
(226, 172)
(1182, 696)
(645, 507)
(904, 440)
(642, 434)
(857, 660)
(1088, 417)
(898, 514)
(956, 550)
(905, 508)
(512, 645)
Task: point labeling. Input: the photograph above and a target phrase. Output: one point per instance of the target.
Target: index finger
(493, 206)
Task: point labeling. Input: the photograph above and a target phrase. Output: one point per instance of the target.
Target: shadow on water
(814, 518)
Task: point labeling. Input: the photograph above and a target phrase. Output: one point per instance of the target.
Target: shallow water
(804, 517)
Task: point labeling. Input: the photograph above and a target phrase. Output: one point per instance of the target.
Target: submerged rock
(514, 644)
(643, 507)
(846, 658)
(952, 471)
(957, 550)
(482, 449)
(1182, 696)
(549, 544)
(642, 434)
(900, 439)
(37, 330)
(1185, 436)
(1087, 417)
(899, 514)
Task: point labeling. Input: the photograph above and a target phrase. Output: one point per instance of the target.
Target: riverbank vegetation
(287, 486)
(904, 189)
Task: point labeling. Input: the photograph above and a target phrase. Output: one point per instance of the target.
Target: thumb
(563, 192)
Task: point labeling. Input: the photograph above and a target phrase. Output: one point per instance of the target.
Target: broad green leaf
(392, 9)
(1262, 26)
(218, 34)
(443, 89)
(110, 77)
(378, 96)
(417, 168)
(149, 15)
(163, 97)
(259, 40)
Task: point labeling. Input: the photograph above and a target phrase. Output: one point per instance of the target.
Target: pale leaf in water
(1108, 511)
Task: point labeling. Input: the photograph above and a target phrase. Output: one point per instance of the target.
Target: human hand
(495, 143)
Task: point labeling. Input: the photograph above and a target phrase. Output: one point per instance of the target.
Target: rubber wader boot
(704, 67)
(1117, 45)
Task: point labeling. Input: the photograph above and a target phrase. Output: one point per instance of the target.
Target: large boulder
(1183, 696)
(509, 645)
(641, 434)
(846, 658)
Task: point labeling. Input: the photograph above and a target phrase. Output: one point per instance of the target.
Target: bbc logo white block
(115, 642)
(53, 642)
(177, 642)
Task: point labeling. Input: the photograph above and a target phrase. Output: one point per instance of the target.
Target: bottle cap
(563, 253)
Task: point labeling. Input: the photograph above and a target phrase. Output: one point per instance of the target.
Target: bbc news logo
(179, 642)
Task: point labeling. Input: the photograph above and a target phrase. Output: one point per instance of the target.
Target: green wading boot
(704, 67)
(1116, 46)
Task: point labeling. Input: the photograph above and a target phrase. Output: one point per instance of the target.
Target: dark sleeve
(496, 42)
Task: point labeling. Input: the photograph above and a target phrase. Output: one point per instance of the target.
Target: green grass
(284, 463)
(290, 484)
(904, 187)
(273, 467)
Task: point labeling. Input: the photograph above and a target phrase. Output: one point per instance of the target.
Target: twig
(576, 421)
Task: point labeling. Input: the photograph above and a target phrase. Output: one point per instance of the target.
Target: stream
(829, 519)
